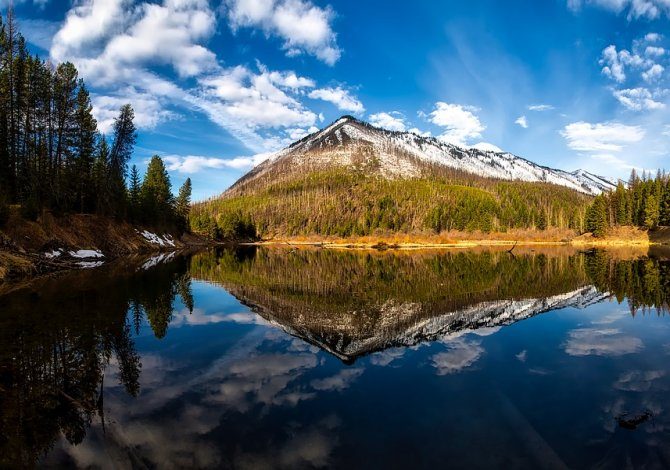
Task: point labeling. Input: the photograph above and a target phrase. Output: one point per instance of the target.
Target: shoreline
(460, 244)
(618, 237)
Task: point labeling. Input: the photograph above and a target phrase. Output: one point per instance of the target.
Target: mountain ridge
(401, 154)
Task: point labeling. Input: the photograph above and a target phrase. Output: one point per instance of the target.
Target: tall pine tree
(125, 136)
(183, 204)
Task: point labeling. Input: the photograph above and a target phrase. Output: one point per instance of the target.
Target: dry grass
(444, 239)
(617, 237)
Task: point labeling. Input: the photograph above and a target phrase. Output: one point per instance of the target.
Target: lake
(312, 358)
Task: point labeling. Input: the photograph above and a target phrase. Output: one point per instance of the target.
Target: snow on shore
(87, 254)
(165, 240)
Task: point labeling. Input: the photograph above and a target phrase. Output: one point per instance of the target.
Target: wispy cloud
(607, 136)
(195, 163)
(540, 107)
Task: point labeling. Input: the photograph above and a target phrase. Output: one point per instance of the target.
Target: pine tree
(623, 211)
(84, 148)
(135, 194)
(101, 177)
(596, 217)
(125, 136)
(664, 216)
(651, 211)
(157, 199)
(183, 204)
(65, 102)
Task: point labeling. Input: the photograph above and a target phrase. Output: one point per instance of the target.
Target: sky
(219, 84)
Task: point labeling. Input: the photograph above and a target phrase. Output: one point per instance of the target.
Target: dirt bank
(53, 243)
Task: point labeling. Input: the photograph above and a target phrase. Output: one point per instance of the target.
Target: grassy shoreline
(619, 237)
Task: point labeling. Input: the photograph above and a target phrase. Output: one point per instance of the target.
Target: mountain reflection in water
(184, 361)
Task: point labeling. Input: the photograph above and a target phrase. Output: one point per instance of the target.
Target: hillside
(352, 179)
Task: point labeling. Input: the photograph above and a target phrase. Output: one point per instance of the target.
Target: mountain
(352, 179)
(349, 142)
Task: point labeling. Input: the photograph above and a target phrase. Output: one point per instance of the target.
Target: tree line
(52, 155)
(643, 202)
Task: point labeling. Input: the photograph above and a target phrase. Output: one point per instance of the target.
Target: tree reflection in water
(56, 339)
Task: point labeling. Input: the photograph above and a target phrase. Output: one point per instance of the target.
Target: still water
(285, 358)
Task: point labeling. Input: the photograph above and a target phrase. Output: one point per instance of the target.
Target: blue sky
(216, 84)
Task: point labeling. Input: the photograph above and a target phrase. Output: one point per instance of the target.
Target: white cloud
(255, 99)
(615, 62)
(653, 73)
(142, 35)
(641, 67)
(86, 24)
(287, 79)
(459, 122)
(127, 41)
(190, 164)
(339, 97)
(540, 107)
(634, 9)
(522, 121)
(393, 121)
(303, 26)
(387, 356)
(654, 51)
(601, 137)
(637, 99)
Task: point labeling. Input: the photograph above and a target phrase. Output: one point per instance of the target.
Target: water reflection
(351, 304)
(58, 337)
(154, 362)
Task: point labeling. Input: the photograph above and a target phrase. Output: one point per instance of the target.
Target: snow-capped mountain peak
(351, 142)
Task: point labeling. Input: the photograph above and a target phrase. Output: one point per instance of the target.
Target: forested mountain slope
(352, 179)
